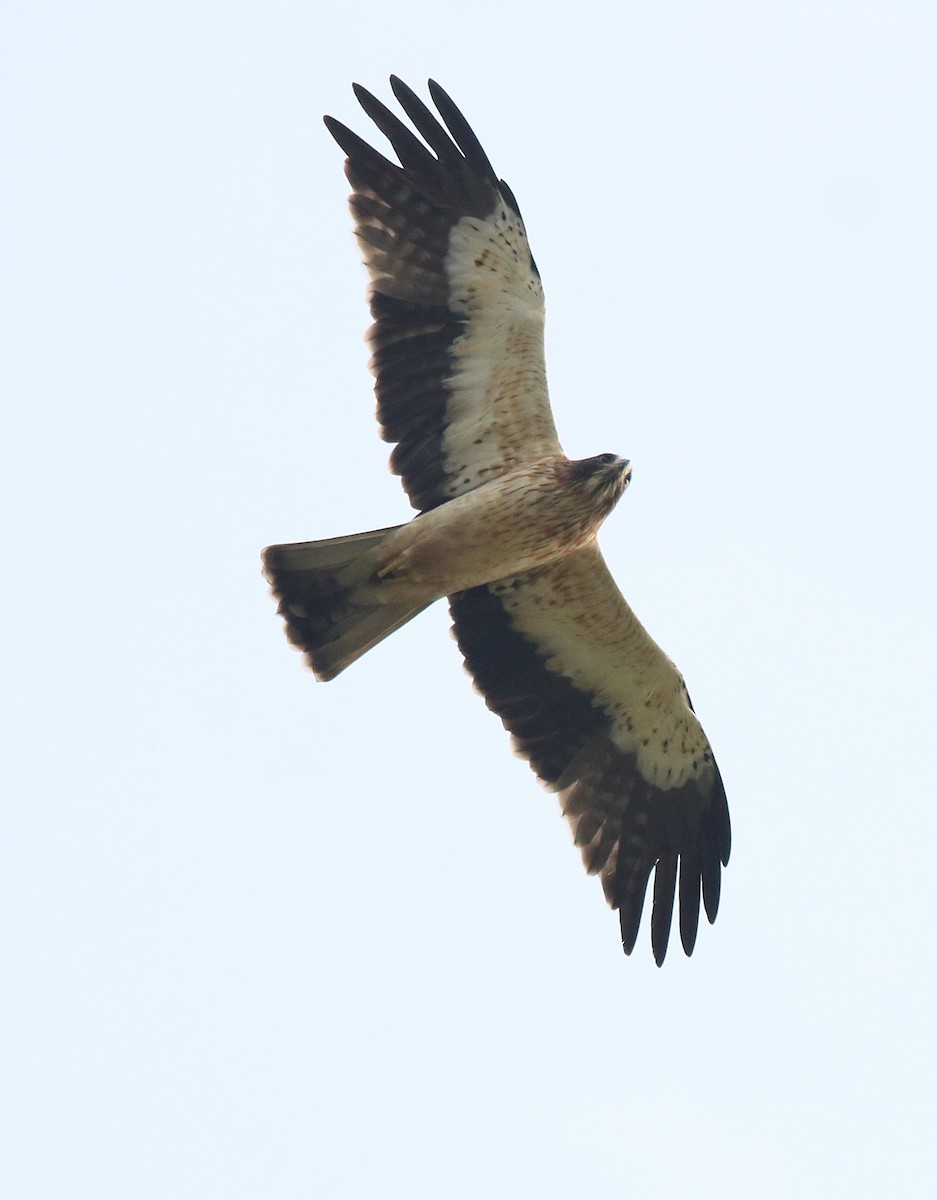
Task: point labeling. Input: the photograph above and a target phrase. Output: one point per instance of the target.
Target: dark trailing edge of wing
(567, 740)
(403, 218)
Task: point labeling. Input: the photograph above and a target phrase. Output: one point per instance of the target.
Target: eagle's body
(507, 527)
(540, 513)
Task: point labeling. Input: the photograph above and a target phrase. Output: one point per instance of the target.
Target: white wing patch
(587, 632)
(499, 411)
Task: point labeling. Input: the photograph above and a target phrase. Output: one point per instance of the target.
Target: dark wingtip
(332, 124)
(690, 882)
(338, 131)
(629, 929)
(712, 886)
(665, 882)
(629, 920)
(462, 133)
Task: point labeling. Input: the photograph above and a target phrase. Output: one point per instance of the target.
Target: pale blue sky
(265, 938)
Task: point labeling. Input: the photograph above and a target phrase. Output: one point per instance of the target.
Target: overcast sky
(266, 938)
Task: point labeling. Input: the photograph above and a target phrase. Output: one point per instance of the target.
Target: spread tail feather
(329, 598)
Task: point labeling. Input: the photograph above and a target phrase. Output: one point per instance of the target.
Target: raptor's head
(604, 477)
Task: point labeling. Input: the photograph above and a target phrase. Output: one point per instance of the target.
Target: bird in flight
(506, 526)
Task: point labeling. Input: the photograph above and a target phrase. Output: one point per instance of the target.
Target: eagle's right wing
(604, 719)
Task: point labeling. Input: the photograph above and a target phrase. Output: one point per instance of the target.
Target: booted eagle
(506, 526)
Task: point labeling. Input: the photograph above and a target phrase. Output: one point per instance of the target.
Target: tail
(329, 599)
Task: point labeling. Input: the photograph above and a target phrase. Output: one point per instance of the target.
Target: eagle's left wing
(457, 338)
(604, 719)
